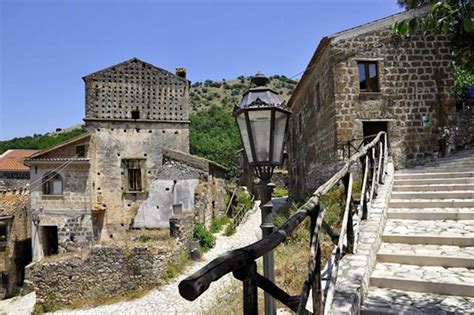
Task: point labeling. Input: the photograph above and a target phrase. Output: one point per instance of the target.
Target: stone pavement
(425, 264)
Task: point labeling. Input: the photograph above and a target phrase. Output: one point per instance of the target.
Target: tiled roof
(191, 160)
(12, 165)
(11, 203)
(12, 160)
(65, 159)
(61, 145)
(18, 153)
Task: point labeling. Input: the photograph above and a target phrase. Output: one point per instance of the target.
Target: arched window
(52, 184)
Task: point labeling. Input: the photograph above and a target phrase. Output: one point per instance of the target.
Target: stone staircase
(425, 264)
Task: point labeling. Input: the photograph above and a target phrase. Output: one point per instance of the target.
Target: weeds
(279, 192)
(218, 223)
(206, 239)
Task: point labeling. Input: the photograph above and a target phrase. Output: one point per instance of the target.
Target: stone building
(15, 239)
(116, 176)
(364, 80)
(14, 174)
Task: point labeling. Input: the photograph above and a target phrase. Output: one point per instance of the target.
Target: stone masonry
(106, 272)
(414, 78)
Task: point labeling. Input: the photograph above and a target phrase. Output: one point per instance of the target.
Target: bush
(206, 239)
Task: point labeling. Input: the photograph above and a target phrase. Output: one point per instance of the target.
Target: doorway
(50, 240)
(372, 128)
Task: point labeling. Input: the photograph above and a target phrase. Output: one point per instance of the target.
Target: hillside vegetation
(227, 93)
(41, 142)
(213, 131)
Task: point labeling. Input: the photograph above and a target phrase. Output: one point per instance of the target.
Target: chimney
(181, 72)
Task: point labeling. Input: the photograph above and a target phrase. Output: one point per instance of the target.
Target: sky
(47, 46)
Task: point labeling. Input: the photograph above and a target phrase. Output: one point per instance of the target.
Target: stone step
(431, 214)
(453, 194)
(430, 279)
(390, 301)
(425, 175)
(434, 187)
(431, 203)
(465, 167)
(435, 232)
(427, 260)
(433, 181)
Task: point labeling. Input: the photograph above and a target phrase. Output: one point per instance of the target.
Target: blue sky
(46, 47)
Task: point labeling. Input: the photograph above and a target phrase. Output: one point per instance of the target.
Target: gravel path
(166, 300)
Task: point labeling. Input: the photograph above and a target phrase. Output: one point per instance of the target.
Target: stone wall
(415, 79)
(76, 187)
(106, 272)
(312, 130)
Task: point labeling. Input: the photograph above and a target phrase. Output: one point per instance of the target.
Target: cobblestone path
(425, 264)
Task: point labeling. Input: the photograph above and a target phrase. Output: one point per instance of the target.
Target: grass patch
(218, 223)
(230, 229)
(176, 267)
(279, 192)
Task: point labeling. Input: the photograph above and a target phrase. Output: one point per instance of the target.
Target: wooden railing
(241, 262)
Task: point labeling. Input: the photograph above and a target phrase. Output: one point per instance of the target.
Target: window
(81, 151)
(135, 114)
(300, 122)
(133, 174)
(368, 76)
(52, 184)
(317, 98)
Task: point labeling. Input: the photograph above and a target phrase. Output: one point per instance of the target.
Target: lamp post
(262, 119)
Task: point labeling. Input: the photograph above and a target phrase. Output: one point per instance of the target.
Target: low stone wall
(105, 272)
(354, 270)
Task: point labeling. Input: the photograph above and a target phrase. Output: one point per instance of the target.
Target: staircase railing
(241, 262)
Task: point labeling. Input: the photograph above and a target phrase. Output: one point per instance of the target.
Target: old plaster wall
(181, 189)
(69, 212)
(115, 141)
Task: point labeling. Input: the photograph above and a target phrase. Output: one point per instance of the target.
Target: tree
(453, 17)
(214, 136)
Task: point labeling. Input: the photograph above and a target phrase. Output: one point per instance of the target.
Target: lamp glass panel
(279, 135)
(260, 124)
(245, 136)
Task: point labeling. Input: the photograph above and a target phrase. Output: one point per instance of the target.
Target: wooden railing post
(248, 276)
(347, 181)
(374, 173)
(316, 286)
(363, 192)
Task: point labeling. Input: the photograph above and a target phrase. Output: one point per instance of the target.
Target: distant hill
(44, 141)
(227, 93)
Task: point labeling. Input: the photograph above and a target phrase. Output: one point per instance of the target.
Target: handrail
(240, 261)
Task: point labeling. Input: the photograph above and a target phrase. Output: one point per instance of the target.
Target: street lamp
(262, 119)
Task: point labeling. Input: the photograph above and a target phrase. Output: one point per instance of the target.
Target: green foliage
(280, 192)
(214, 136)
(244, 200)
(40, 142)
(463, 79)
(334, 202)
(218, 223)
(230, 229)
(206, 239)
(452, 17)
